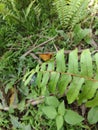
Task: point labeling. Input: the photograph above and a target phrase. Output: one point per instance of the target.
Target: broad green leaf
(73, 118)
(52, 101)
(39, 78)
(93, 115)
(50, 66)
(73, 62)
(93, 102)
(60, 61)
(37, 68)
(63, 83)
(43, 67)
(61, 108)
(88, 91)
(86, 64)
(92, 90)
(44, 81)
(59, 122)
(54, 77)
(45, 78)
(74, 89)
(50, 112)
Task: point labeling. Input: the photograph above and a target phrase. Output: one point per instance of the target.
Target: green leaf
(63, 83)
(61, 108)
(93, 115)
(54, 77)
(80, 34)
(59, 122)
(40, 74)
(60, 61)
(50, 66)
(93, 102)
(86, 64)
(52, 101)
(73, 62)
(88, 91)
(91, 89)
(74, 89)
(28, 77)
(37, 68)
(43, 67)
(50, 112)
(45, 79)
(39, 78)
(73, 118)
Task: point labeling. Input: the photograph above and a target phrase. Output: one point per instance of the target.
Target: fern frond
(71, 12)
(81, 13)
(61, 9)
(78, 79)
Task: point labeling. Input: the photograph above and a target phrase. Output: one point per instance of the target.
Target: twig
(55, 48)
(29, 51)
(94, 44)
(37, 101)
(66, 52)
(35, 57)
(8, 108)
(33, 102)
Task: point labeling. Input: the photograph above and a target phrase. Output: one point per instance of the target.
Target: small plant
(56, 110)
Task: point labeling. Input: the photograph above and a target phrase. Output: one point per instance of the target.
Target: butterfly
(46, 56)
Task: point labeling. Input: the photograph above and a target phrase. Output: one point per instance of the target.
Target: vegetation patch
(48, 64)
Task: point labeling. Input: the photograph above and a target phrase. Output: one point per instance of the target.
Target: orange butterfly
(46, 56)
